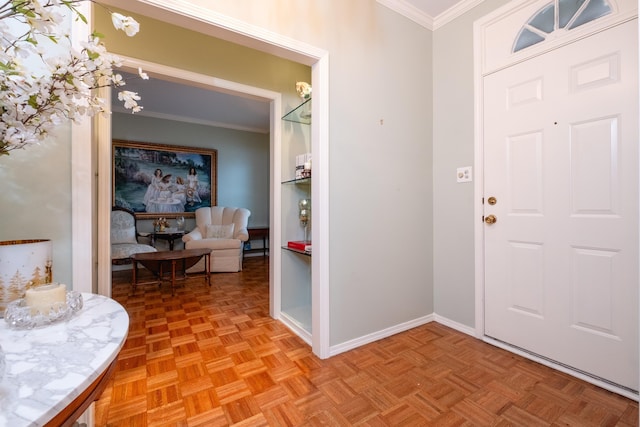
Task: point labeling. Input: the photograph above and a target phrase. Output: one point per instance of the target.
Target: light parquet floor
(212, 356)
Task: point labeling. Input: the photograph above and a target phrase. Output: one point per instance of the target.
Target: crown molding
(409, 11)
(184, 119)
(418, 16)
(454, 11)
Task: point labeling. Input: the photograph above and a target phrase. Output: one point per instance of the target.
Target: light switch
(464, 174)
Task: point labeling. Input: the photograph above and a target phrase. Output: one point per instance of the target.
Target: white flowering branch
(33, 102)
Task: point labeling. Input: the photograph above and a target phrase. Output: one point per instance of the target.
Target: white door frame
(209, 22)
(201, 80)
(488, 30)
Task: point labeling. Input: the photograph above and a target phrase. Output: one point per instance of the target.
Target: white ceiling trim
(116, 108)
(199, 18)
(453, 12)
(409, 11)
(422, 18)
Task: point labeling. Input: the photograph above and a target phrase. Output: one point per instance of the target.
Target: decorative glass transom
(559, 15)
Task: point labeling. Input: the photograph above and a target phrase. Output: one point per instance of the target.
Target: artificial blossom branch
(35, 98)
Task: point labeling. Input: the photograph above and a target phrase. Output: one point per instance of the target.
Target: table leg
(173, 276)
(207, 268)
(134, 271)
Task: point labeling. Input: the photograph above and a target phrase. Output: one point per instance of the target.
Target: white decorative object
(44, 298)
(23, 264)
(19, 315)
(304, 214)
(304, 90)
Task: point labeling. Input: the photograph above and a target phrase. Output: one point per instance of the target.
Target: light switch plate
(464, 174)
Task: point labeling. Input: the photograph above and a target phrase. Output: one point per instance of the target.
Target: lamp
(304, 214)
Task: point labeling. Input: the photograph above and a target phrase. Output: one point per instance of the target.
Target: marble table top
(48, 367)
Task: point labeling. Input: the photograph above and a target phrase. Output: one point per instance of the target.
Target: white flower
(130, 99)
(125, 23)
(143, 75)
(117, 80)
(35, 100)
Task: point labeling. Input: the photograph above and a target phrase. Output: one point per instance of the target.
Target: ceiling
(433, 8)
(174, 101)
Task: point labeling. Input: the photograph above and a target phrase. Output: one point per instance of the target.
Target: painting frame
(160, 180)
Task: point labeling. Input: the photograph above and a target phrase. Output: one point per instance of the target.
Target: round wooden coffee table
(169, 261)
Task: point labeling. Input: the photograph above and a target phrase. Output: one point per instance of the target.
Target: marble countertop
(48, 367)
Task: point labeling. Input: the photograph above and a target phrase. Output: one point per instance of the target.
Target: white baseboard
(366, 339)
(455, 325)
(296, 327)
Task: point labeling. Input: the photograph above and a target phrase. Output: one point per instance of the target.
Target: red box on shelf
(301, 245)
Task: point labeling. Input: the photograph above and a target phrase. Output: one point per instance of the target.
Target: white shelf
(296, 271)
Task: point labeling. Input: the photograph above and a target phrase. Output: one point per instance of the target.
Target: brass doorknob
(491, 219)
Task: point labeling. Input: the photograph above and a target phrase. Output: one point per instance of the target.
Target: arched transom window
(559, 15)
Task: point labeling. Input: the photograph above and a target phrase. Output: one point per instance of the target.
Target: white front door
(561, 161)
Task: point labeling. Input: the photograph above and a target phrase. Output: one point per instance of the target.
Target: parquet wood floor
(214, 357)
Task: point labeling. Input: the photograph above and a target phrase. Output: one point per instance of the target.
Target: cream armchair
(224, 230)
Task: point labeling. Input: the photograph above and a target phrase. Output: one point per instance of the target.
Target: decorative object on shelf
(304, 90)
(37, 96)
(306, 171)
(303, 245)
(160, 224)
(19, 315)
(303, 166)
(180, 223)
(304, 214)
(23, 265)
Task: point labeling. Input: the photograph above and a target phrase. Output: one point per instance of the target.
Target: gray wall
(400, 227)
(453, 146)
(380, 147)
(243, 157)
(380, 174)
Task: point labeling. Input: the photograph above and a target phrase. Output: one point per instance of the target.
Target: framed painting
(155, 180)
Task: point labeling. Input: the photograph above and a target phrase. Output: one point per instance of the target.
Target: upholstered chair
(124, 236)
(224, 230)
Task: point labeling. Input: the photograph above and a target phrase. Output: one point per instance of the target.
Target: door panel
(561, 159)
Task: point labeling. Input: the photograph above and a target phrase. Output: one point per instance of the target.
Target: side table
(169, 236)
(168, 261)
(260, 233)
(55, 372)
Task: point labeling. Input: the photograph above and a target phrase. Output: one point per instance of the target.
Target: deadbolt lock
(491, 219)
(492, 200)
